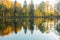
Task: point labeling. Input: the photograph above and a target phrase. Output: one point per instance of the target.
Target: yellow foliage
(37, 13)
(48, 9)
(18, 5)
(8, 30)
(7, 3)
(37, 21)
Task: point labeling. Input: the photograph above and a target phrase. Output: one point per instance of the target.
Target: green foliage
(0, 27)
(0, 6)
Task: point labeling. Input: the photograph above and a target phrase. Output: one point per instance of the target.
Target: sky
(52, 2)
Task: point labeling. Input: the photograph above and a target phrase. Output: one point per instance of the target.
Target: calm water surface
(10, 30)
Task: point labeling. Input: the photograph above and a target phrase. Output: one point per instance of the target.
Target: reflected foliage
(9, 27)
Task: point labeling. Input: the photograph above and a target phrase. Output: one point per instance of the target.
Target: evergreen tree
(25, 14)
(15, 23)
(31, 14)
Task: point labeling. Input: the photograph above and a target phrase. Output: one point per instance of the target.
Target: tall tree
(15, 11)
(48, 9)
(38, 14)
(25, 14)
(57, 8)
(31, 14)
(57, 12)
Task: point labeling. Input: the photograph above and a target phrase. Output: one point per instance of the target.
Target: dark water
(29, 29)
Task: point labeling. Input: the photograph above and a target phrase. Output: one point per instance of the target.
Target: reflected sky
(37, 35)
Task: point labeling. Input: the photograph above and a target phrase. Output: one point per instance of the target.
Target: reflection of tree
(15, 11)
(15, 26)
(58, 27)
(31, 14)
(41, 27)
(25, 29)
(1, 29)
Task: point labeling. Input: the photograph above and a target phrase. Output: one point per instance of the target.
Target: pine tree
(31, 14)
(15, 23)
(25, 14)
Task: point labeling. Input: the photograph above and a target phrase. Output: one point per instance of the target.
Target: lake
(20, 29)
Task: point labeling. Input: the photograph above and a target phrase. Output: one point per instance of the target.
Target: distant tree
(37, 13)
(48, 9)
(25, 29)
(57, 9)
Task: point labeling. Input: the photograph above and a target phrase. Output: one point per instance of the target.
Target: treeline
(39, 10)
(44, 8)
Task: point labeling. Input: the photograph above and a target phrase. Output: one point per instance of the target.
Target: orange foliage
(7, 3)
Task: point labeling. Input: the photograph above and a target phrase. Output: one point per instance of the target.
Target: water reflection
(47, 25)
(44, 25)
(37, 35)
